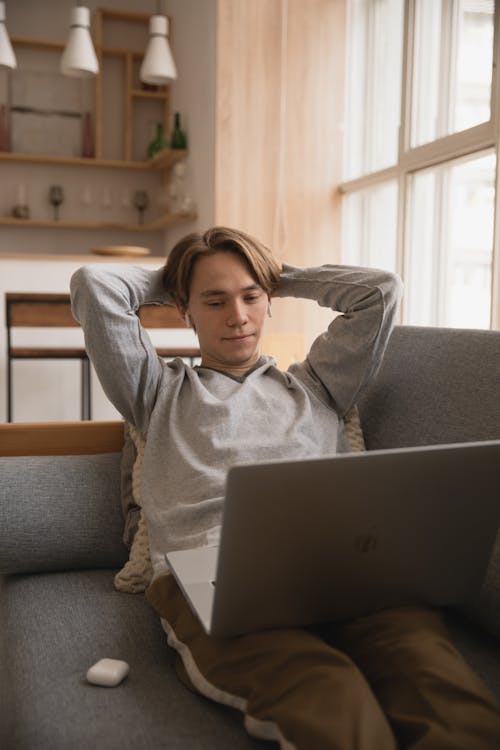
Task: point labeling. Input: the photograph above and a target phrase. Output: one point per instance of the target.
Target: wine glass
(56, 197)
(141, 202)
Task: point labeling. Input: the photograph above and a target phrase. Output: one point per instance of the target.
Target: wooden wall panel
(247, 114)
(279, 112)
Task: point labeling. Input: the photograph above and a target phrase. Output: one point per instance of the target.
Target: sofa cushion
(60, 513)
(56, 626)
(480, 649)
(484, 608)
(436, 385)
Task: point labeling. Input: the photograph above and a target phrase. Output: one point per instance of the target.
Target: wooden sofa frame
(60, 438)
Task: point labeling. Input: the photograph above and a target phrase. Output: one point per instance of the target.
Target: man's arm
(346, 357)
(105, 299)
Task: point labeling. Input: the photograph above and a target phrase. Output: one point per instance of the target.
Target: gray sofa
(60, 545)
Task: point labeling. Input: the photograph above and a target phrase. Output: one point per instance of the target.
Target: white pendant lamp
(7, 56)
(158, 65)
(79, 57)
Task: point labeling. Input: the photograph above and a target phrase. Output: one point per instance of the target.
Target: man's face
(227, 308)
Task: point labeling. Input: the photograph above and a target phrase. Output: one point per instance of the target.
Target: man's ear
(184, 314)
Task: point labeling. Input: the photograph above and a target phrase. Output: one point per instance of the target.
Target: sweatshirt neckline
(263, 360)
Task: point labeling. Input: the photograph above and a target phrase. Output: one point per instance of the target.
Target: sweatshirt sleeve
(105, 299)
(345, 358)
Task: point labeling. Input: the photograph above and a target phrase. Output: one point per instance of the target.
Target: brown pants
(386, 681)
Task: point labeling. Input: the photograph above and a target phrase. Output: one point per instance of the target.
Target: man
(389, 680)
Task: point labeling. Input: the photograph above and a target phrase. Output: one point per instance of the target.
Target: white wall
(194, 96)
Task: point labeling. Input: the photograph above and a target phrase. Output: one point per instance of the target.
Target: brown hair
(178, 270)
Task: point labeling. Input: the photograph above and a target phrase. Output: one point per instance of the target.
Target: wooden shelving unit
(132, 96)
(163, 160)
(163, 223)
(129, 60)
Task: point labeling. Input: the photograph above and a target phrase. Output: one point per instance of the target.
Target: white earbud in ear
(269, 313)
(187, 320)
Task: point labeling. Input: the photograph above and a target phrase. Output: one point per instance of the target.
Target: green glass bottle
(158, 141)
(178, 139)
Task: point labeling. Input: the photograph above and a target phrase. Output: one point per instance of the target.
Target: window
(450, 239)
(420, 154)
(452, 67)
(371, 242)
(374, 82)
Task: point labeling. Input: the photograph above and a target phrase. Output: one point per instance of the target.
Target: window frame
(474, 140)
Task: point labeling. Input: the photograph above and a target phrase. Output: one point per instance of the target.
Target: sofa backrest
(60, 496)
(436, 385)
(63, 511)
(60, 513)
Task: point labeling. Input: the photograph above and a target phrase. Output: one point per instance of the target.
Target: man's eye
(253, 298)
(214, 304)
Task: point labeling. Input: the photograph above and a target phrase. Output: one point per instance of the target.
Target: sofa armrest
(60, 512)
(60, 438)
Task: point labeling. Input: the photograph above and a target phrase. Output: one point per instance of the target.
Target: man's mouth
(236, 339)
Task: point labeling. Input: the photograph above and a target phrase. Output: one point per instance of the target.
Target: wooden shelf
(143, 94)
(30, 41)
(167, 157)
(153, 226)
(164, 159)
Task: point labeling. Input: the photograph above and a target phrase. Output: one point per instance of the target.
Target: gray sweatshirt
(198, 421)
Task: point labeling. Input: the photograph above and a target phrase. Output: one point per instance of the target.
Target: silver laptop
(329, 539)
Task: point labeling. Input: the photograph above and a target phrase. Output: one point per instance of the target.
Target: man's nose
(237, 314)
